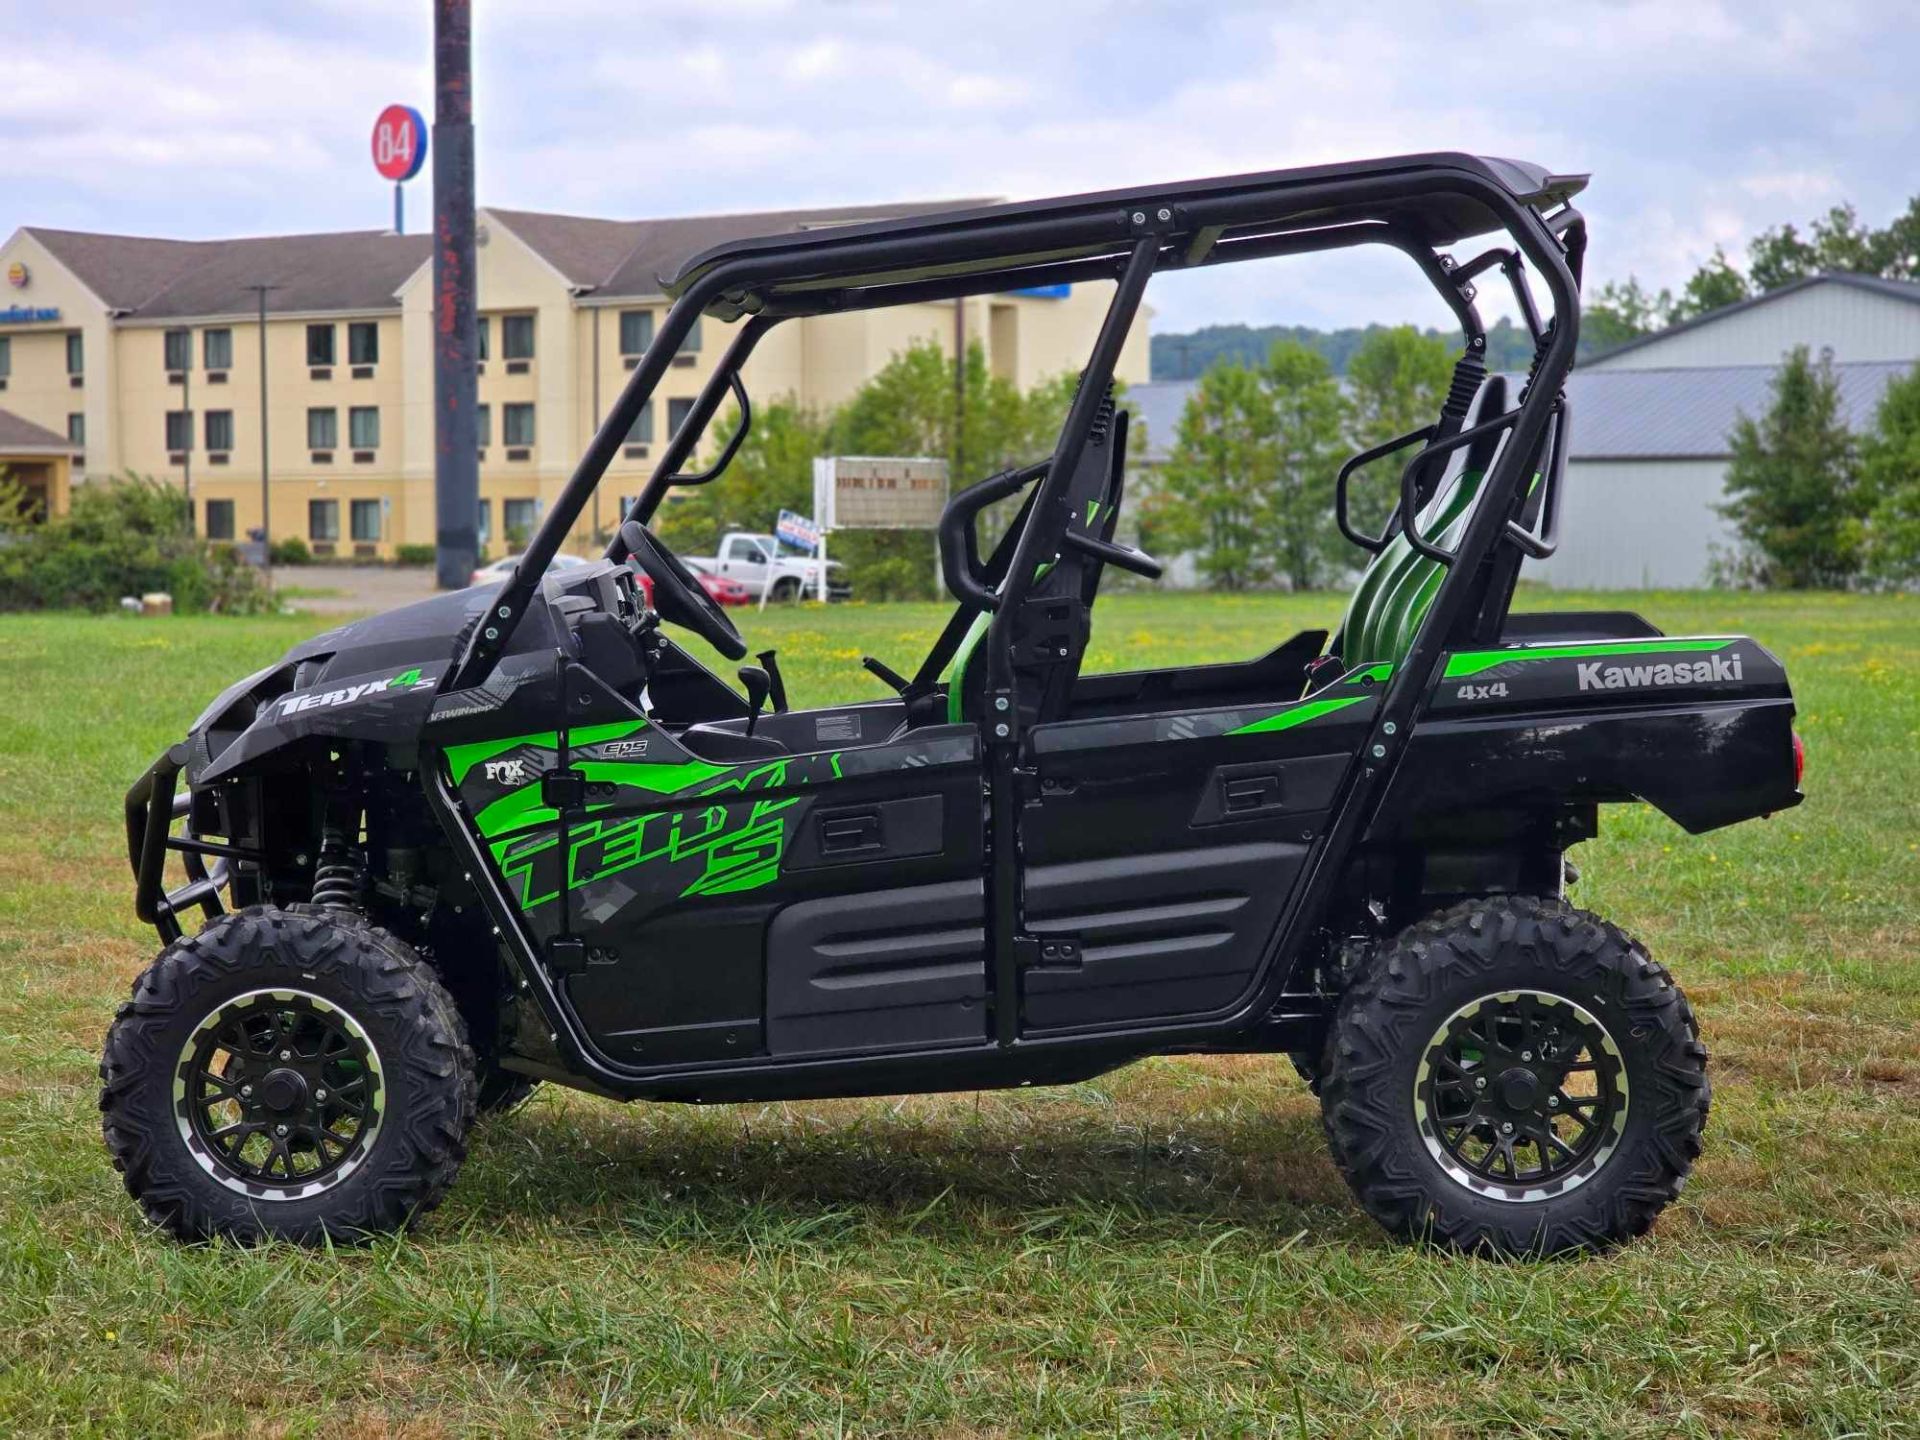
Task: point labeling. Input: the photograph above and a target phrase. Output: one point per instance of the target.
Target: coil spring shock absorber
(339, 873)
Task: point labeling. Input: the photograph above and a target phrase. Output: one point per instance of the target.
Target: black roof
(1031, 233)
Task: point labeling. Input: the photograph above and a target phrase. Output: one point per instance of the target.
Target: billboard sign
(878, 492)
(399, 143)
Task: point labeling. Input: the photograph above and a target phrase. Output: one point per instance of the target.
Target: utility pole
(456, 466)
(266, 524)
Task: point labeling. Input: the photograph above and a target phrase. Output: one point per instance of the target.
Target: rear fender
(1701, 729)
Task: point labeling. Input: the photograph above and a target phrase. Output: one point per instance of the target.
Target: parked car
(756, 562)
(723, 590)
(500, 569)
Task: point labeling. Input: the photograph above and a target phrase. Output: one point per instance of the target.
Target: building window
(323, 428)
(481, 329)
(641, 431)
(319, 344)
(6, 356)
(363, 427)
(76, 429)
(219, 429)
(520, 517)
(483, 424)
(216, 349)
(178, 347)
(516, 425)
(76, 353)
(636, 331)
(677, 413)
(363, 343)
(219, 519)
(179, 430)
(516, 337)
(692, 342)
(364, 516)
(483, 524)
(323, 519)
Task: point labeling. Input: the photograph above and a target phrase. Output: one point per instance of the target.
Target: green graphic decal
(1297, 715)
(740, 846)
(1473, 662)
(1376, 674)
(464, 757)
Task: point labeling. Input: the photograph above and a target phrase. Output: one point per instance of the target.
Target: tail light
(1799, 758)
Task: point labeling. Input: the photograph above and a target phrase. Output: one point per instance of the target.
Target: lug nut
(1506, 1127)
(1526, 1055)
(246, 1092)
(281, 1130)
(286, 1054)
(1553, 1102)
(319, 1094)
(1479, 1082)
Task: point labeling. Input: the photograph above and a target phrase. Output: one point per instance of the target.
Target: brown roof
(362, 269)
(630, 257)
(161, 279)
(18, 434)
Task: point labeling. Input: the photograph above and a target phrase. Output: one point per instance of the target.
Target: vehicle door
(1160, 849)
(824, 897)
(746, 562)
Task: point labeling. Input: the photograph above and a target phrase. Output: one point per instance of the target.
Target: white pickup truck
(756, 562)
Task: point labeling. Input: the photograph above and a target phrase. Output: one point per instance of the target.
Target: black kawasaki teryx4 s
(522, 833)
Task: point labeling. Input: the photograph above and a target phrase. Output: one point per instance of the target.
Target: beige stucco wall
(38, 388)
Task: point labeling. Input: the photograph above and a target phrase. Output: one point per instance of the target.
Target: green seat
(1394, 594)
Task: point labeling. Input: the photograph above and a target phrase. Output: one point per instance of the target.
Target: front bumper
(152, 810)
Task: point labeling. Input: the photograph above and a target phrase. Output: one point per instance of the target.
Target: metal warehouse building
(1651, 421)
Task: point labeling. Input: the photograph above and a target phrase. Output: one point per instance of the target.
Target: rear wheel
(289, 1075)
(787, 591)
(1516, 1076)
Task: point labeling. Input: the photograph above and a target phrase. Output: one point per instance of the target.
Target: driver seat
(1052, 629)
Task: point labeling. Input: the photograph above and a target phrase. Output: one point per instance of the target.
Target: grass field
(1164, 1251)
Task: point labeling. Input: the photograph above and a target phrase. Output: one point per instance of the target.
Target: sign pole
(399, 210)
(456, 468)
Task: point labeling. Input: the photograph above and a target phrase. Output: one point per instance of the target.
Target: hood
(373, 679)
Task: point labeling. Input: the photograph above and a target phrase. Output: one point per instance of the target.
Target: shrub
(414, 554)
(123, 537)
(291, 551)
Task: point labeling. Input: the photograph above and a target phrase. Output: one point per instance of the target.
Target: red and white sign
(399, 142)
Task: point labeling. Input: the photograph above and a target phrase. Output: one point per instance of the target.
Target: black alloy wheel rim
(278, 1094)
(1521, 1095)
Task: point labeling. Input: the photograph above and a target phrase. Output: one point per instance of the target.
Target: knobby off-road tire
(287, 1003)
(1429, 1038)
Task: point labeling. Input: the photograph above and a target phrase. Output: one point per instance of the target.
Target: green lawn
(1164, 1251)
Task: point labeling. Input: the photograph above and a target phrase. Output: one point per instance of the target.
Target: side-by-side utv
(522, 832)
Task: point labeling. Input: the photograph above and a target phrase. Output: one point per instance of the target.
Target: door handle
(843, 832)
(1242, 793)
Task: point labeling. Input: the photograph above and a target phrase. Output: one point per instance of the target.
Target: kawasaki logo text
(1718, 670)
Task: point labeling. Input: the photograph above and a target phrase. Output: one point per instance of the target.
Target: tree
(1309, 449)
(773, 471)
(1793, 491)
(1249, 483)
(1396, 381)
(1890, 483)
(908, 408)
(1713, 286)
(1213, 497)
(1618, 312)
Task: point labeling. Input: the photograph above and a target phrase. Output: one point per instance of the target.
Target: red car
(722, 590)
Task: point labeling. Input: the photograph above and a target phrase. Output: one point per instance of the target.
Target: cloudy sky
(1701, 121)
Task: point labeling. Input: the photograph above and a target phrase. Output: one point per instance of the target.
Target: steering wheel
(677, 595)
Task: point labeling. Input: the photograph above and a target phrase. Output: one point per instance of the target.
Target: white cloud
(1703, 122)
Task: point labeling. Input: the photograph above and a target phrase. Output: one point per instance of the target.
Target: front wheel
(1518, 1077)
(287, 1075)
